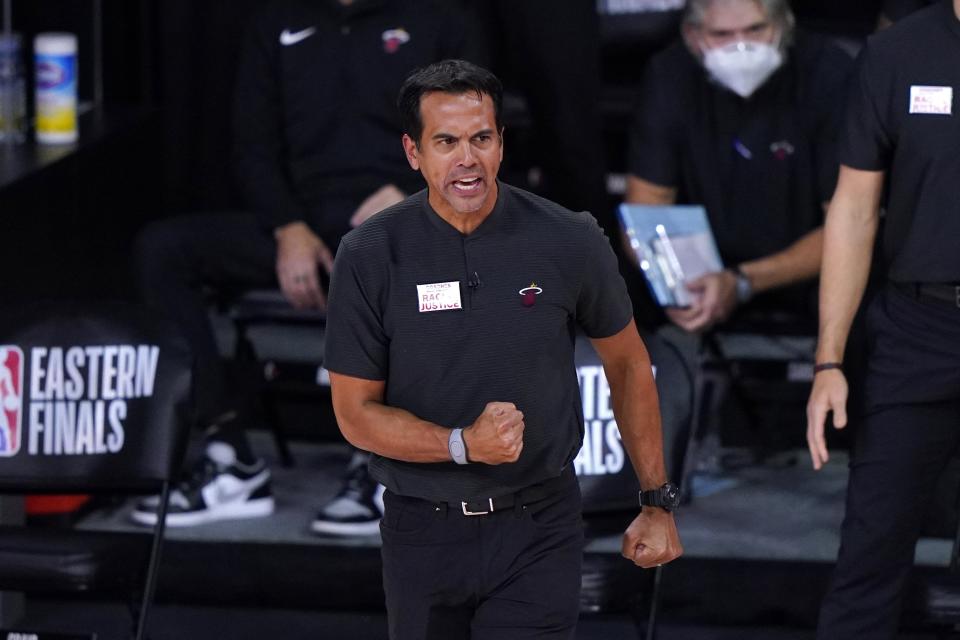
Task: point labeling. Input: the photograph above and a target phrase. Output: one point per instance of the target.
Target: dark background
(159, 142)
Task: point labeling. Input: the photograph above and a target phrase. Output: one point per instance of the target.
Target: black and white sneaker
(213, 491)
(357, 509)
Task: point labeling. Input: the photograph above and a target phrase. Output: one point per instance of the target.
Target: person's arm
(798, 262)
(850, 230)
(640, 191)
(495, 437)
(716, 293)
(386, 196)
(652, 538)
(259, 161)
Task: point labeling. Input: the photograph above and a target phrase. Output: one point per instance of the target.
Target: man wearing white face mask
(742, 117)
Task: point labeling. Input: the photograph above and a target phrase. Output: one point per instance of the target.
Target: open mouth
(468, 186)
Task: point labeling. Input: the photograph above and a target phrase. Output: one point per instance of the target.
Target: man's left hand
(386, 196)
(716, 298)
(652, 539)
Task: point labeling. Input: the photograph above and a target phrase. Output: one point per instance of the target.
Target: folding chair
(283, 378)
(759, 360)
(94, 399)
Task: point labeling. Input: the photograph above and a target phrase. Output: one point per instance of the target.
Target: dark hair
(447, 76)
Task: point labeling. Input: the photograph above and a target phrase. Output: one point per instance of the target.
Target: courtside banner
(80, 386)
(607, 479)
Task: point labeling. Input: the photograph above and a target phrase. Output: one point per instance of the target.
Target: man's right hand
(299, 252)
(496, 437)
(714, 299)
(829, 393)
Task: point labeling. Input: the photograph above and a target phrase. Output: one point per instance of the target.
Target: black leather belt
(528, 495)
(942, 293)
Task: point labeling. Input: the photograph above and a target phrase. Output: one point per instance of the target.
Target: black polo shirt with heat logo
(763, 166)
(452, 322)
(902, 117)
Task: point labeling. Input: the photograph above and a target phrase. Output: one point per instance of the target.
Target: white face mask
(743, 66)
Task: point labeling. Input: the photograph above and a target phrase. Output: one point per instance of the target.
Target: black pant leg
(911, 427)
(533, 570)
(429, 554)
(177, 259)
(898, 457)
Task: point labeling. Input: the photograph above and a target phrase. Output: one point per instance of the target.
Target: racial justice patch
(931, 100)
(439, 296)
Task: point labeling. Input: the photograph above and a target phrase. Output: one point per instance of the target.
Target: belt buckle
(463, 506)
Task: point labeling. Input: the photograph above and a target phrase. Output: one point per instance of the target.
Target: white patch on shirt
(439, 296)
(932, 100)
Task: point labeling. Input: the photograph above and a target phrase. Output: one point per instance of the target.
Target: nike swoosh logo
(227, 488)
(288, 38)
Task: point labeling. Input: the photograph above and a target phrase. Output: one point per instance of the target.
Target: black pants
(503, 576)
(911, 429)
(179, 260)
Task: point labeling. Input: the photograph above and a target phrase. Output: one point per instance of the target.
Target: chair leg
(272, 414)
(646, 625)
(699, 423)
(154, 563)
(244, 352)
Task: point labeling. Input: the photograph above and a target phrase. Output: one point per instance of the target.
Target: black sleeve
(654, 153)
(866, 141)
(355, 341)
(603, 304)
(258, 131)
(836, 72)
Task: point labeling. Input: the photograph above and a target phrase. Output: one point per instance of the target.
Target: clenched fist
(496, 436)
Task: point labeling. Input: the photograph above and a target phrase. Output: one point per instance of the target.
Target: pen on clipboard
(671, 253)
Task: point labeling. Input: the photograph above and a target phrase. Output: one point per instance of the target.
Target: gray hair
(778, 12)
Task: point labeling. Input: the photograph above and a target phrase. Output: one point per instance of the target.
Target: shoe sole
(258, 508)
(346, 528)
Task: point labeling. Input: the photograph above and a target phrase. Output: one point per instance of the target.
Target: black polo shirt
(315, 112)
(761, 166)
(542, 271)
(904, 117)
(898, 9)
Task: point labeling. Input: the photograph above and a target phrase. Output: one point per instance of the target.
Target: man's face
(459, 154)
(729, 21)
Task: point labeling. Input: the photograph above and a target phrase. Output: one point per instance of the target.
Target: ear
(502, 129)
(411, 151)
(691, 37)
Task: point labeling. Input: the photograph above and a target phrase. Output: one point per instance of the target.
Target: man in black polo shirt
(450, 350)
(315, 131)
(741, 118)
(903, 125)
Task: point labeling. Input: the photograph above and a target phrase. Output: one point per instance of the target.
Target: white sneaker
(213, 492)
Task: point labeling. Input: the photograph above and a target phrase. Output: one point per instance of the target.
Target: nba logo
(11, 399)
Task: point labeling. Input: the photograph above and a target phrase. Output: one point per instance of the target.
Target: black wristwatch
(666, 497)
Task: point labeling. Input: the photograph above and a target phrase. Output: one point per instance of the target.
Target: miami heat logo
(528, 295)
(782, 150)
(393, 38)
(11, 399)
